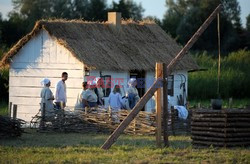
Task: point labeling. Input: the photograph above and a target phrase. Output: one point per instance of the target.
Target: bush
(234, 81)
(4, 85)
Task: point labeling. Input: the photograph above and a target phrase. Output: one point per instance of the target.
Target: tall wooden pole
(158, 105)
(153, 88)
(14, 111)
(219, 60)
(165, 105)
(9, 109)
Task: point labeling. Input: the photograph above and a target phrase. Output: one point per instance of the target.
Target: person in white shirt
(47, 97)
(60, 96)
(132, 93)
(115, 103)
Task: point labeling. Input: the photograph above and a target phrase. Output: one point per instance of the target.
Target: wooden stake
(14, 111)
(165, 105)
(9, 110)
(113, 137)
(158, 105)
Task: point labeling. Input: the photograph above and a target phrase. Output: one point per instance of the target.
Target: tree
(248, 23)
(80, 9)
(184, 17)
(129, 9)
(97, 10)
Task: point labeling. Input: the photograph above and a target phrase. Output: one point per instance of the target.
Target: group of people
(92, 95)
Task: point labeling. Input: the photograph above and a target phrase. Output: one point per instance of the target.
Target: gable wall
(41, 57)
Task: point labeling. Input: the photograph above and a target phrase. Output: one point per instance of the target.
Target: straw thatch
(103, 46)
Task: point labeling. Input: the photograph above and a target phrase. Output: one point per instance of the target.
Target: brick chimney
(115, 18)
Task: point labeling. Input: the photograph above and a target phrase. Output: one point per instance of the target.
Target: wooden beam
(9, 109)
(158, 106)
(194, 38)
(113, 137)
(14, 111)
(165, 105)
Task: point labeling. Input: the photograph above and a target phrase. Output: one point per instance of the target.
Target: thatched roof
(102, 46)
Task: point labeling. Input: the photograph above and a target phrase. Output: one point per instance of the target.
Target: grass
(234, 76)
(35, 147)
(237, 103)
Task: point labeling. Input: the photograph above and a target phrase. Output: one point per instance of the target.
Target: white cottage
(114, 49)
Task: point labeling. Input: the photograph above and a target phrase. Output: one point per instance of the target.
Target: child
(115, 103)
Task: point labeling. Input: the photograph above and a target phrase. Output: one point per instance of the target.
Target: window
(171, 85)
(106, 85)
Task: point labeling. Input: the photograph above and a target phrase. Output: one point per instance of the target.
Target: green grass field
(237, 103)
(34, 147)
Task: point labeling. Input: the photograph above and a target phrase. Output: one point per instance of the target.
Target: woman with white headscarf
(47, 96)
(132, 93)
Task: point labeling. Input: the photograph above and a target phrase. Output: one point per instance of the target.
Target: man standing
(60, 96)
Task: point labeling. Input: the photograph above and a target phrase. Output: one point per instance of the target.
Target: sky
(152, 7)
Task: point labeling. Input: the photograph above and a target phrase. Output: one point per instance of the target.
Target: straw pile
(227, 128)
(10, 127)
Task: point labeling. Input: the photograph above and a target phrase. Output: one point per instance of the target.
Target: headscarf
(45, 81)
(131, 82)
(97, 79)
(91, 83)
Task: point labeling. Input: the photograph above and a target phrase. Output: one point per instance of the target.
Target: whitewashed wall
(177, 91)
(41, 57)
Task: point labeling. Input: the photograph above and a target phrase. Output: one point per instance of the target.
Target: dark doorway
(140, 77)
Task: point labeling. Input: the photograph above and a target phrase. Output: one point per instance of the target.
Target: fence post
(165, 105)
(158, 105)
(14, 111)
(9, 109)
